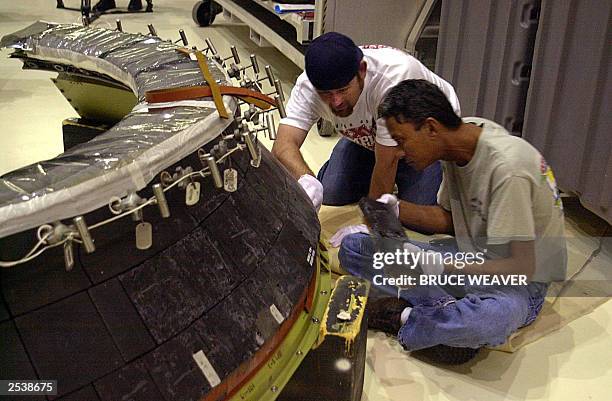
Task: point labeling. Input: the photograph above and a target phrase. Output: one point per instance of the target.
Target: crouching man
(499, 199)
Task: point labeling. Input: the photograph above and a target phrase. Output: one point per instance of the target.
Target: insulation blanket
(129, 155)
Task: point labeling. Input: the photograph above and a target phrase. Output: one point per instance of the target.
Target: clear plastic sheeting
(129, 155)
(150, 62)
(132, 136)
(21, 38)
(172, 76)
(87, 41)
(146, 56)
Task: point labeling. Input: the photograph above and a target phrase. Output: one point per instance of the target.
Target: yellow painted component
(349, 329)
(214, 88)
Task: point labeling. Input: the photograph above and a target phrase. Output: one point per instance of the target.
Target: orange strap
(193, 92)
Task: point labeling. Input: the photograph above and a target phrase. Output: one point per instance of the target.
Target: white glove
(336, 240)
(429, 261)
(313, 188)
(392, 201)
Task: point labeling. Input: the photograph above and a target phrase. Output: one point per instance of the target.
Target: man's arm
(286, 149)
(433, 219)
(385, 170)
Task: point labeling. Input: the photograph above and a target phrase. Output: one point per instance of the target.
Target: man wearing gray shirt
(499, 199)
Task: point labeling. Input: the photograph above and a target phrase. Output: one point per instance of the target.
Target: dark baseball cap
(332, 61)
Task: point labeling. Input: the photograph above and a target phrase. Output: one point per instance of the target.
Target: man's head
(335, 67)
(417, 112)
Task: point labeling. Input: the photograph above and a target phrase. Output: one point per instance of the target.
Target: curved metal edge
(266, 384)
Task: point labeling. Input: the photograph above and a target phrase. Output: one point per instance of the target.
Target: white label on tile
(192, 193)
(144, 235)
(209, 372)
(230, 180)
(68, 255)
(278, 316)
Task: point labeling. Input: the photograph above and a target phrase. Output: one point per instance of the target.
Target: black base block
(335, 370)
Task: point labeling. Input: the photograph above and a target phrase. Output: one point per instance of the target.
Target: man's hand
(337, 238)
(392, 201)
(313, 188)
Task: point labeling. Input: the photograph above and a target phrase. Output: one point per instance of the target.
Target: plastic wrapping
(146, 56)
(20, 39)
(90, 42)
(127, 156)
(172, 76)
(142, 62)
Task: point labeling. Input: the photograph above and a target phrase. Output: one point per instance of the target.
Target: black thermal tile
(15, 362)
(41, 281)
(68, 342)
(122, 320)
(174, 369)
(87, 393)
(131, 382)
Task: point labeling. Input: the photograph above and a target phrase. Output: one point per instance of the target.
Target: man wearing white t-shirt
(345, 84)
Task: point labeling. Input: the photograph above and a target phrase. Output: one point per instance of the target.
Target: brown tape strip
(214, 87)
(193, 92)
(215, 90)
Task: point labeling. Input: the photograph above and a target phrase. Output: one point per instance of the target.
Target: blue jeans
(469, 316)
(347, 174)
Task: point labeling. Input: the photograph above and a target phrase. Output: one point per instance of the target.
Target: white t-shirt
(507, 192)
(386, 67)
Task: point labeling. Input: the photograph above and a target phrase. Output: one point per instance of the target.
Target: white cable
(117, 217)
(201, 173)
(31, 255)
(42, 237)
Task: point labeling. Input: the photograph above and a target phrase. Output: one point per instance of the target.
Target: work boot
(385, 314)
(448, 355)
(104, 5)
(135, 5)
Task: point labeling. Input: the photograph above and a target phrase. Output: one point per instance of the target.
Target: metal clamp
(161, 200)
(214, 169)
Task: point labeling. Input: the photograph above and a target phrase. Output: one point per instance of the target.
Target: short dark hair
(414, 100)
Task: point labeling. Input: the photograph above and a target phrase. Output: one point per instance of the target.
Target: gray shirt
(507, 192)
